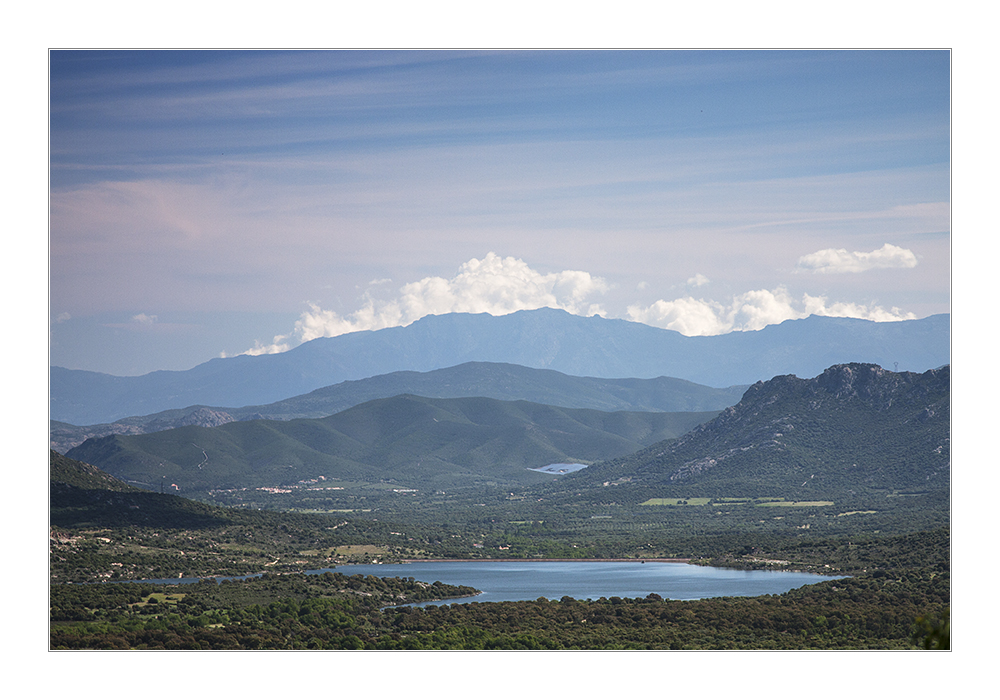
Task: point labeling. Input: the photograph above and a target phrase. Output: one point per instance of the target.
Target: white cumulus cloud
(493, 285)
(750, 311)
(840, 260)
(499, 286)
(280, 343)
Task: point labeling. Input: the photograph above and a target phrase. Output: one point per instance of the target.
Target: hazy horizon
(224, 356)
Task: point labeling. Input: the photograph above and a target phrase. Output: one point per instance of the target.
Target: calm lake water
(525, 580)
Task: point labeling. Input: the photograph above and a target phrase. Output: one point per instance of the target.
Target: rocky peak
(202, 416)
(206, 418)
(789, 421)
(867, 382)
(862, 380)
(876, 388)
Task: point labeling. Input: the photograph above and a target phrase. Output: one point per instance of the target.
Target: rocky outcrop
(849, 415)
(203, 417)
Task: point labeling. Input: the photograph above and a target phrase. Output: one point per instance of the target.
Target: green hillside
(505, 382)
(404, 442)
(81, 495)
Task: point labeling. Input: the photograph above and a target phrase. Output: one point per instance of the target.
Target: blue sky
(210, 203)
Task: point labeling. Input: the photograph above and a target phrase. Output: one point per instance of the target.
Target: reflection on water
(527, 580)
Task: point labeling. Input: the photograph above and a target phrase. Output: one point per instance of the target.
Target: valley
(846, 473)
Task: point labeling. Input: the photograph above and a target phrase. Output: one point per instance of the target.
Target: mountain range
(505, 382)
(856, 431)
(541, 338)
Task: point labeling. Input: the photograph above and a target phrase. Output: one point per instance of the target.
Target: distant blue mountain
(542, 338)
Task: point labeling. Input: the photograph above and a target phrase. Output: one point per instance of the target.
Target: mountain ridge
(541, 338)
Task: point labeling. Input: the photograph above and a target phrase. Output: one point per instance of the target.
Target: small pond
(561, 468)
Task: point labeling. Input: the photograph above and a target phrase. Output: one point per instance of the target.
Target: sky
(208, 204)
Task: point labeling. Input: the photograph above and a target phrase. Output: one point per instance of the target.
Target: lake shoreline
(513, 559)
(509, 579)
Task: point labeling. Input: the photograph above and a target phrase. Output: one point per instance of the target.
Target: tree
(933, 632)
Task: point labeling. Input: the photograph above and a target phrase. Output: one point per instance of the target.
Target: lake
(529, 580)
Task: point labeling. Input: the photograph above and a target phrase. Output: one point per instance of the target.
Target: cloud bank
(493, 285)
(837, 260)
(750, 311)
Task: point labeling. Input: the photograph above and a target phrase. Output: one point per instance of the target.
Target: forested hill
(410, 441)
(82, 495)
(855, 429)
(80, 475)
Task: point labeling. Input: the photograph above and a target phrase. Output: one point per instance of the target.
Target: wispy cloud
(493, 285)
(249, 183)
(750, 311)
(837, 260)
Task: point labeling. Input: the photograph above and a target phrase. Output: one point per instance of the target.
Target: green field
(677, 502)
(736, 500)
